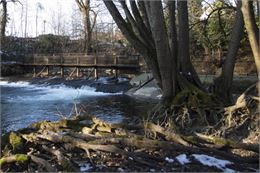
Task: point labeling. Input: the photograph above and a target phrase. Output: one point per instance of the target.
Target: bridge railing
(80, 59)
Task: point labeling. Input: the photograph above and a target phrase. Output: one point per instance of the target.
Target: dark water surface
(23, 103)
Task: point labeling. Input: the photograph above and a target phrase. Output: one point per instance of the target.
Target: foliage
(51, 43)
(212, 33)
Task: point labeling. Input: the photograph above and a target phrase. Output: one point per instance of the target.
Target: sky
(52, 14)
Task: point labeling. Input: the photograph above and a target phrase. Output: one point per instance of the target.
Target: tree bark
(184, 63)
(223, 83)
(85, 9)
(253, 35)
(3, 21)
(164, 57)
(148, 53)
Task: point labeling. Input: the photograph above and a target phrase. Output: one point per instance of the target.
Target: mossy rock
(16, 141)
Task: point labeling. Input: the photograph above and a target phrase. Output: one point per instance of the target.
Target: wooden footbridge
(80, 62)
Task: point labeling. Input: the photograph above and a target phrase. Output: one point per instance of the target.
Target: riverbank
(88, 144)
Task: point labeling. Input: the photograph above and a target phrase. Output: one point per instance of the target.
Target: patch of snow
(120, 170)
(169, 160)
(85, 167)
(159, 96)
(182, 159)
(212, 161)
(227, 170)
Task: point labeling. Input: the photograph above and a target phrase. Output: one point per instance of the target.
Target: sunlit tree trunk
(253, 34)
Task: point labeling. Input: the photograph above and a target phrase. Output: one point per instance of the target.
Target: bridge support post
(61, 71)
(77, 71)
(34, 71)
(116, 73)
(96, 73)
(95, 68)
(47, 70)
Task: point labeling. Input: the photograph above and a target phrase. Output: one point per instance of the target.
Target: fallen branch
(171, 136)
(13, 158)
(229, 143)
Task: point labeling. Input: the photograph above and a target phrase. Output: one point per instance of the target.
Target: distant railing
(81, 59)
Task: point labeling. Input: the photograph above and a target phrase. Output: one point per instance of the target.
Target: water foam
(52, 92)
(15, 84)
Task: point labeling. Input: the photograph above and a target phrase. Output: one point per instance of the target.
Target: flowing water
(23, 103)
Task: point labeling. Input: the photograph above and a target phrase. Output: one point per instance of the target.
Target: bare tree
(85, 9)
(3, 19)
(39, 7)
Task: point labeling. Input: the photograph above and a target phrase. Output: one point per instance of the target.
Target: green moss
(194, 97)
(5, 151)
(21, 157)
(16, 141)
(2, 161)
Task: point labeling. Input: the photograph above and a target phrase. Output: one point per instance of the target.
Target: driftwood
(171, 136)
(86, 146)
(120, 141)
(229, 143)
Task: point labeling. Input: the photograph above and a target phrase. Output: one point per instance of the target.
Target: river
(23, 103)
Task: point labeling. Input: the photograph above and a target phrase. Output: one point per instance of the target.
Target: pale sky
(52, 11)
(59, 17)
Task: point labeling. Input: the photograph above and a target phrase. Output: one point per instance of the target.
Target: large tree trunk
(159, 51)
(3, 20)
(223, 83)
(253, 35)
(164, 57)
(184, 63)
(149, 53)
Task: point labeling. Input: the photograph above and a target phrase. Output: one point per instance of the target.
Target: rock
(147, 91)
